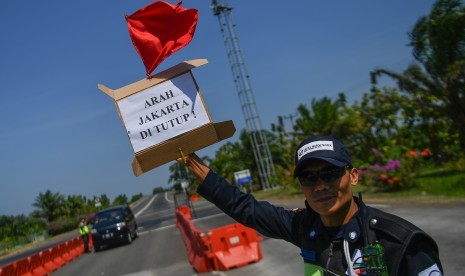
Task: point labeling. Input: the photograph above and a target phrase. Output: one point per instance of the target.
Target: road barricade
(221, 248)
(75, 247)
(55, 253)
(234, 246)
(47, 260)
(8, 270)
(90, 244)
(23, 267)
(196, 249)
(65, 248)
(36, 265)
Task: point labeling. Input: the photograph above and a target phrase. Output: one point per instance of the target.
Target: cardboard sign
(165, 117)
(163, 111)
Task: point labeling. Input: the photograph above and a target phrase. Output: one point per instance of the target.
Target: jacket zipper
(330, 255)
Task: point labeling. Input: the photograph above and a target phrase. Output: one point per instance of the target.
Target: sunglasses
(309, 179)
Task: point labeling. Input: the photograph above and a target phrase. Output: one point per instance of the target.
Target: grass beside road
(433, 185)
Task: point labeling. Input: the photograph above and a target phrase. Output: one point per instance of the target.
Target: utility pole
(241, 78)
(290, 117)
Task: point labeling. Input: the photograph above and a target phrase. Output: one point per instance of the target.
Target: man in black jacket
(336, 232)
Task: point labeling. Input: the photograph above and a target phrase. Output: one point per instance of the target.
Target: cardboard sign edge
(210, 134)
(125, 91)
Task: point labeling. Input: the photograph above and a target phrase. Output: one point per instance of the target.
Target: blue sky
(60, 132)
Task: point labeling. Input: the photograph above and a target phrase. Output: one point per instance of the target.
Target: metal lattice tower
(254, 130)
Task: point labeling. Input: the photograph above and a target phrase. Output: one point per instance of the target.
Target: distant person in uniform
(84, 231)
(336, 232)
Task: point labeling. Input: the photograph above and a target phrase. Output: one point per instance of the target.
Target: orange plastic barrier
(36, 265)
(234, 246)
(185, 211)
(57, 259)
(221, 248)
(47, 260)
(8, 270)
(91, 242)
(64, 252)
(74, 245)
(196, 249)
(23, 267)
(69, 250)
(194, 198)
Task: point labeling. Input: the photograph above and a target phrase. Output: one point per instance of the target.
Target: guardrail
(221, 248)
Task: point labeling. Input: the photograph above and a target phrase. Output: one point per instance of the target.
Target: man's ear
(353, 176)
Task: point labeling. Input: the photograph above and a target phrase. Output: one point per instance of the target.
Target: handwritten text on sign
(163, 111)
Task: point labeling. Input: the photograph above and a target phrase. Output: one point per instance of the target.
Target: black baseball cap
(325, 148)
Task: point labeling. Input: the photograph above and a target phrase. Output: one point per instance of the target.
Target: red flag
(160, 29)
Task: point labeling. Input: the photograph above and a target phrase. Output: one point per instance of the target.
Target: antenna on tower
(241, 78)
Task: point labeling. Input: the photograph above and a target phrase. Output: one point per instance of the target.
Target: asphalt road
(160, 250)
(445, 222)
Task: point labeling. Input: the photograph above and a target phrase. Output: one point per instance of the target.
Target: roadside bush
(136, 197)
(395, 174)
(61, 226)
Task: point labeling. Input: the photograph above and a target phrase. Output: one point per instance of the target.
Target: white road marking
(209, 217)
(146, 206)
(158, 229)
(174, 225)
(166, 197)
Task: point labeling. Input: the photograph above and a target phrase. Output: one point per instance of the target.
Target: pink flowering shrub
(394, 174)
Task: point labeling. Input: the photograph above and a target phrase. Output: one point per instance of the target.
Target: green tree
(179, 173)
(121, 199)
(283, 145)
(435, 82)
(327, 117)
(136, 197)
(35, 226)
(7, 227)
(104, 200)
(157, 190)
(178, 187)
(76, 205)
(322, 118)
(17, 230)
(379, 125)
(49, 206)
(235, 156)
(228, 159)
